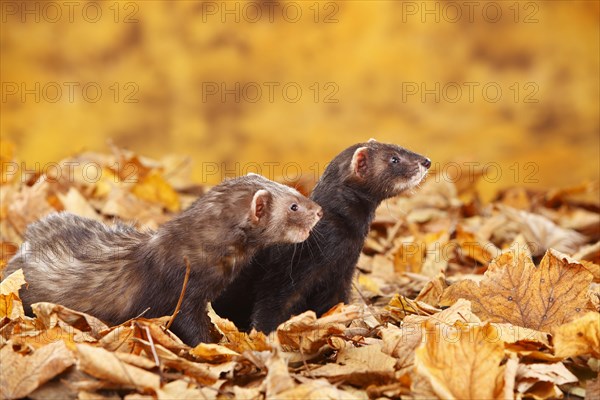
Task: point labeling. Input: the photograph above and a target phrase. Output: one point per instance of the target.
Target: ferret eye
(394, 160)
(294, 207)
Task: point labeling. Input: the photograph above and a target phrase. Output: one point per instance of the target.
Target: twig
(188, 267)
(141, 314)
(151, 341)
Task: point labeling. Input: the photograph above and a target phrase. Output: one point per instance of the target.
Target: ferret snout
(426, 162)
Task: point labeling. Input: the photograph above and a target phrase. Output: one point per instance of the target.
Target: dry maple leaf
(461, 362)
(23, 374)
(515, 291)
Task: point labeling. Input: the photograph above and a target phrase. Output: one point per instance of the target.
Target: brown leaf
(592, 389)
(30, 205)
(543, 234)
(183, 390)
(474, 349)
(236, 340)
(307, 334)
(433, 290)
(74, 202)
(401, 343)
(21, 375)
(202, 373)
(278, 377)
(529, 377)
(50, 315)
(318, 389)
(107, 366)
(360, 366)
(581, 336)
(515, 291)
(475, 247)
(213, 353)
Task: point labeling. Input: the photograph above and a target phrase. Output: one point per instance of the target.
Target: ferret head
(280, 213)
(380, 170)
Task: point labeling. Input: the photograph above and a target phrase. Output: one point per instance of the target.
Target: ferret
(286, 280)
(116, 272)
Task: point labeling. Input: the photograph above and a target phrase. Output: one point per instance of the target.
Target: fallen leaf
(307, 334)
(30, 205)
(21, 375)
(402, 342)
(11, 306)
(105, 365)
(75, 203)
(213, 353)
(359, 366)
(319, 389)
(543, 234)
(278, 378)
(236, 340)
(474, 349)
(183, 390)
(50, 315)
(581, 336)
(433, 290)
(515, 291)
(592, 389)
(475, 247)
(529, 376)
(154, 189)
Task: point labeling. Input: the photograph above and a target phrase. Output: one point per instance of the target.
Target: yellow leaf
(154, 188)
(476, 350)
(21, 375)
(515, 291)
(581, 336)
(10, 304)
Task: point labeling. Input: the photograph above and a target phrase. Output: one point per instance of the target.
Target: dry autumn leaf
(10, 304)
(360, 366)
(476, 350)
(581, 336)
(21, 375)
(543, 234)
(515, 291)
(105, 365)
(529, 377)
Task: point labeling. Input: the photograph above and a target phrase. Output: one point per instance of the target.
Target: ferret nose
(320, 213)
(426, 163)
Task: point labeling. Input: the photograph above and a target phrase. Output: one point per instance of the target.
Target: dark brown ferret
(285, 280)
(117, 272)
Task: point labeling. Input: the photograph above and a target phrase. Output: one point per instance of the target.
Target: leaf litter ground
(453, 298)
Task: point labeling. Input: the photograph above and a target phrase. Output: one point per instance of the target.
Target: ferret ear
(371, 140)
(360, 161)
(259, 205)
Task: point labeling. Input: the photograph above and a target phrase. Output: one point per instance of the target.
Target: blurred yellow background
(510, 87)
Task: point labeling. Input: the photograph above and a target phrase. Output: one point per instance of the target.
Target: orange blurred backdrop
(280, 87)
